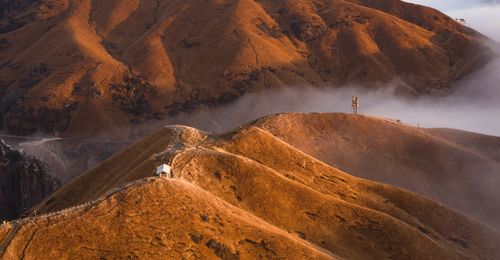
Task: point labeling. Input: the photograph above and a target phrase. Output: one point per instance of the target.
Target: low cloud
(474, 106)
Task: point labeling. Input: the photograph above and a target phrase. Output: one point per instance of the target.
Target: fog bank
(474, 106)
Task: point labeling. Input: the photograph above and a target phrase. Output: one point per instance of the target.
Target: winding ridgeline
(94, 75)
(248, 194)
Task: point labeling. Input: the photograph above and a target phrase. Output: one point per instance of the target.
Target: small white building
(164, 169)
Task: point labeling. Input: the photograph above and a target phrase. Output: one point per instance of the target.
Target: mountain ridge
(140, 61)
(459, 170)
(253, 170)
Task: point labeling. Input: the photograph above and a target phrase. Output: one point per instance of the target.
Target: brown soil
(456, 168)
(244, 194)
(88, 67)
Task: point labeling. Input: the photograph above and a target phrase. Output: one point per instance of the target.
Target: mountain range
(84, 68)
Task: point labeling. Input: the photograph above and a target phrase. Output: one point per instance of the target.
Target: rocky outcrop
(24, 182)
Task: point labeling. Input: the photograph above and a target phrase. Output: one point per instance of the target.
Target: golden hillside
(456, 168)
(84, 67)
(241, 194)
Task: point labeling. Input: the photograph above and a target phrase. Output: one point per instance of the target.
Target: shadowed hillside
(24, 182)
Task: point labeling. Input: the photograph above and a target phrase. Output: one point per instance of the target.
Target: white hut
(164, 170)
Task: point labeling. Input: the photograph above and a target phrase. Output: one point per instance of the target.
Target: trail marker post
(355, 104)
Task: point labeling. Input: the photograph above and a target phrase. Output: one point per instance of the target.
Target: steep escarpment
(109, 65)
(24, 182)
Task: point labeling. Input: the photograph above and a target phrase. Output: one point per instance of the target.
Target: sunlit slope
(88, 67)
(458, 169)
(158, 219)
(265, 177)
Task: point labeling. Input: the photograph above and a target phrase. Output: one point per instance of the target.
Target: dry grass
(195, 52)
(455, 168)
(242, 177)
